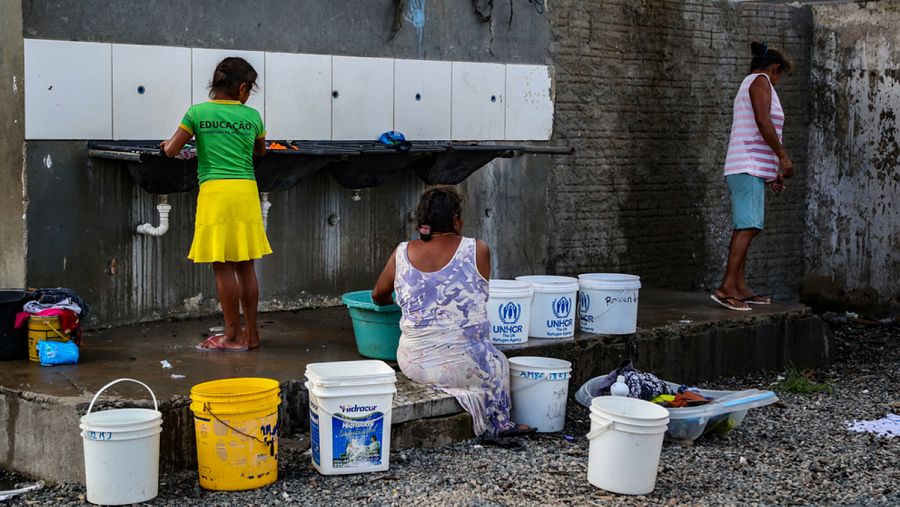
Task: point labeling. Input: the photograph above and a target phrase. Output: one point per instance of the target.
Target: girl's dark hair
(437, 208)
(764, 57)
(230, 74)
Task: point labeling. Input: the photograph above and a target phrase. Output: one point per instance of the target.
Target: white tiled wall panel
(204, 63)
(364, 106)
(151, 90)
(529, 106)
(68, 91)
(83, 90)
(477, 108)
(422, 99)
(298, 99)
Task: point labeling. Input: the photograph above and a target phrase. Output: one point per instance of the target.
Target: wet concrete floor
(290, 340)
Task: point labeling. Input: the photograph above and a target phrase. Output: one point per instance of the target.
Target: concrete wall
(82, 213)
(12, 124)
(853, 218)
(644, 94)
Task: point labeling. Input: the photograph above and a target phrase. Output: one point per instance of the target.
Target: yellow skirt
(229, 225)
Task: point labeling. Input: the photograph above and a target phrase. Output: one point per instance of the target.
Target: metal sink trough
(148, 165)
(353, 164)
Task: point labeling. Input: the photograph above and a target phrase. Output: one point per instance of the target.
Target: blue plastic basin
(377, 328)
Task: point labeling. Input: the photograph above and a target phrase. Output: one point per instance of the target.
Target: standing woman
(228, 232)
(756, 158)
(441, 281)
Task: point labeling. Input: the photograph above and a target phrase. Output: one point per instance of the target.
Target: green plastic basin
(377, 328)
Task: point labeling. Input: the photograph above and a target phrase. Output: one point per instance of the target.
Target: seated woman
(441, 282)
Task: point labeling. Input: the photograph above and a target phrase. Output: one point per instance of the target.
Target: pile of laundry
(644, 386)
(62, 303)
(693, 412)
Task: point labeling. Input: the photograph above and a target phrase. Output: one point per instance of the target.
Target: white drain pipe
(266, 205)
(163, 208)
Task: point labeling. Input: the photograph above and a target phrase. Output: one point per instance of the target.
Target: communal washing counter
(353, 164)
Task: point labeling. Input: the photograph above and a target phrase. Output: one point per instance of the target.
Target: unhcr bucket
(350, 416)
(553, 306)
(539, 388)
(608, 303)
(236, 425)
(121, 452)
(625, 443)
(509, 310)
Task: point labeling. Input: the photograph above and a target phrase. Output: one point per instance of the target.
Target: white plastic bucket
(608, 303)
(553, 306)
(350, 416)
(121, 452)
(509, 310)
(625, 443)
(539, 388)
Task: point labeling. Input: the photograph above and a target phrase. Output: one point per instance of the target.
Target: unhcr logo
(509, 313)
(562, 307)
(585, 302)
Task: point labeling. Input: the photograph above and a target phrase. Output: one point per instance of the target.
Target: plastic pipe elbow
(163, 209)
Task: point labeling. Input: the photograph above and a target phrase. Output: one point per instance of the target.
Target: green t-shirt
(226, 131)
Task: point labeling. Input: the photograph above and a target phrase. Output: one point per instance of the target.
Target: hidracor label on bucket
(356, 441)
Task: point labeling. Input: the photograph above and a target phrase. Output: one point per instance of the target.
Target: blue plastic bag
(395, 140)
(56, 353)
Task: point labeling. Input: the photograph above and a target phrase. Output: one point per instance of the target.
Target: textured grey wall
(12, 124)
(853, 218)
(451, 29)
(644, 94)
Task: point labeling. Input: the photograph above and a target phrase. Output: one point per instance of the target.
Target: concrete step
(681, 337)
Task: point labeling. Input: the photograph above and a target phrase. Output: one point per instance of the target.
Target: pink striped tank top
(748, 152)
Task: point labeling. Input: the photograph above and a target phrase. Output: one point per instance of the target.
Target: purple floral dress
(446, 337)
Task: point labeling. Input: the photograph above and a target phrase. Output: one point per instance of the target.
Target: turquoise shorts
(747, 200)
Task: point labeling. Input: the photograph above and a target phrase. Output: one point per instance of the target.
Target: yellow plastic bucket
(236, 424)
(43, 328)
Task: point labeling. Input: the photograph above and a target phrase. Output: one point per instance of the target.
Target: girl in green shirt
(228, 231)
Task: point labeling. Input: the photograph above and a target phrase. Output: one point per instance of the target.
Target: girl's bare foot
(252, 337)
(221, 343)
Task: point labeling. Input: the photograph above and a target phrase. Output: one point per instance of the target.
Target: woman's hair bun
(758, 48)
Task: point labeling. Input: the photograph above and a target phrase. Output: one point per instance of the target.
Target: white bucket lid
(629, 410)
(344, 373)
(510, 289)
(121, 419)
(542, 364)
(551, 283)
(609, 281)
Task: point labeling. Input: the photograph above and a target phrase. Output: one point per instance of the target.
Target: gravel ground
(797, 452)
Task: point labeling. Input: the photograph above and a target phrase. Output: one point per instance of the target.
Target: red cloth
(687, 399)
(68, 321)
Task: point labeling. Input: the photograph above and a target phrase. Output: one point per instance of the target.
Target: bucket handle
(600, 429)
(155, 405)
